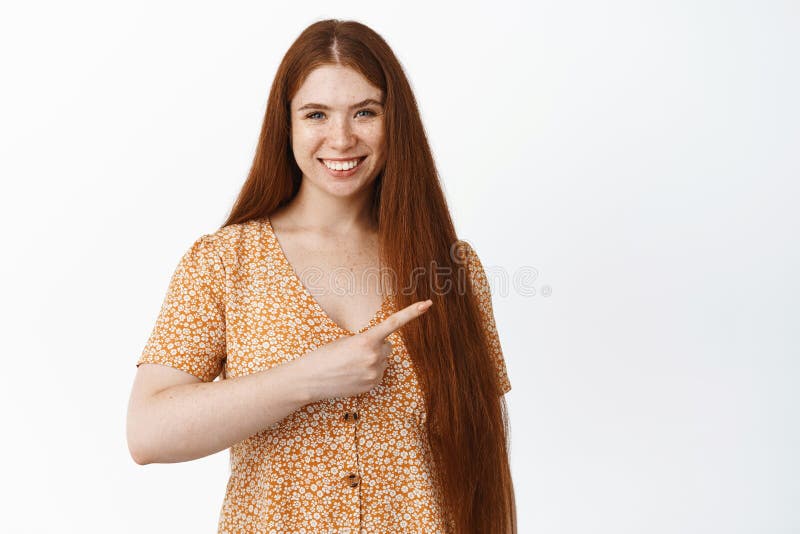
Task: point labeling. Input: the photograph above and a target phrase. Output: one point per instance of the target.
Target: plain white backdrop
(641, 156)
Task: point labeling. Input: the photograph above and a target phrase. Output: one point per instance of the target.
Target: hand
(352, 365)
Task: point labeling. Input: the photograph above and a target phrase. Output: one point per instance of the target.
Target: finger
(396, 320)
(388, 348)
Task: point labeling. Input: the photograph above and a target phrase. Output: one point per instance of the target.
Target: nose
(340, 135)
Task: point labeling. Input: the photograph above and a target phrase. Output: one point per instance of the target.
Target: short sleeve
(482, 290)
(189, 333)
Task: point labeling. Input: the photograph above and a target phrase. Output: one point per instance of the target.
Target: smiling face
(337, 130)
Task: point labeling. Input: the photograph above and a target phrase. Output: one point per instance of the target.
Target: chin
(342, 188)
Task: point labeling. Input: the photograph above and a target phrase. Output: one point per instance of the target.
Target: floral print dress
(351, 465)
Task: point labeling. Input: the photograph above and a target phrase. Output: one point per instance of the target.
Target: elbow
(137, 452)
(138, 457)
(137, 445)
(138, 461)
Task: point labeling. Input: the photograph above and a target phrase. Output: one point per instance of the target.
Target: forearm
(190, 421)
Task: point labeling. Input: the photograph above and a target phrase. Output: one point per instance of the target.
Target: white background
(637, 154)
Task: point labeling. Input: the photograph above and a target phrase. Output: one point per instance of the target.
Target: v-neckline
(307, 294)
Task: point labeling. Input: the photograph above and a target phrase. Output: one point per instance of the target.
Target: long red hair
(467, 422)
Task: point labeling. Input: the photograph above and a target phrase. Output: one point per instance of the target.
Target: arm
(177, 412)
(174, 416)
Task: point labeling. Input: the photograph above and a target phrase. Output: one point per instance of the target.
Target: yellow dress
(352, 465)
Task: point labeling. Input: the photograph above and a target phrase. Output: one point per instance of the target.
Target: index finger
(399, 318)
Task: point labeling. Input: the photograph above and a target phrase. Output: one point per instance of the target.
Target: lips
(359, 159)
(342, 173)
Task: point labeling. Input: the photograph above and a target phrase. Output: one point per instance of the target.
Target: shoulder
(231, 241)
(463, 253)
(223, 252)
(465, 256)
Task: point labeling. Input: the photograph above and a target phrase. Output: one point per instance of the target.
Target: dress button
(351, 416)
(353, 479)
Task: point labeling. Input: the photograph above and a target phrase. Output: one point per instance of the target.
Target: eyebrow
(367, 102)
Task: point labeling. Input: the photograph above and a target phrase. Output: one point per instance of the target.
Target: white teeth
(340, 165)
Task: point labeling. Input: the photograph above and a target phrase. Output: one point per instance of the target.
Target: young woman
(376, 406)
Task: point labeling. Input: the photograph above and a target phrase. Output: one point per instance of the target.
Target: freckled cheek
(373, 135)
(306, 142)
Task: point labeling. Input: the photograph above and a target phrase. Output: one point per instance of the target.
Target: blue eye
(314, 114)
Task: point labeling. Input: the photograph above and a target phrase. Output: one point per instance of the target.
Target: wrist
(301, 380)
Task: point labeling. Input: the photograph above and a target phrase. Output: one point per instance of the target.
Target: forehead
(335, 86)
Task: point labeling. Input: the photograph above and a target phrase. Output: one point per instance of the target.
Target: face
(337, 122)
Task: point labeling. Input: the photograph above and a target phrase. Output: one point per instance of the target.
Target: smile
(340, 168)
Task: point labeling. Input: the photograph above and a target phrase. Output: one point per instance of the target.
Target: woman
(339, 418)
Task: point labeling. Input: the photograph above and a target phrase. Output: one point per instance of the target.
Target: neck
(315, 210)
